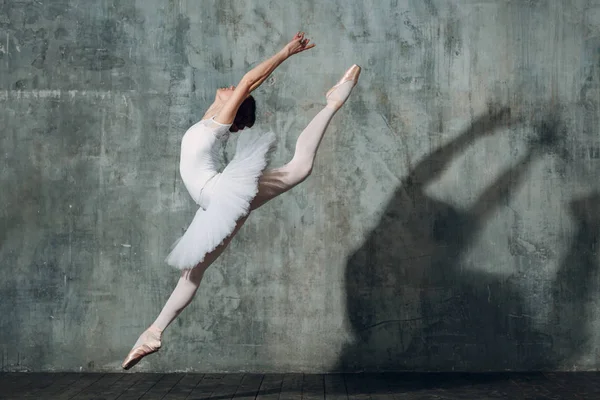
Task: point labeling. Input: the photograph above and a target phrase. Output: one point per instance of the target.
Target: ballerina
(226, 198)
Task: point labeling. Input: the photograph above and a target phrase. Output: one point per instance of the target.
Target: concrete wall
(437, 232)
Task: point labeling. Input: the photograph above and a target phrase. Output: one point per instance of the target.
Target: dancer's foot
(147, 343)
(337, 95)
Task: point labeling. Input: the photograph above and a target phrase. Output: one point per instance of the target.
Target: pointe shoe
(151, 345)
(351, 75)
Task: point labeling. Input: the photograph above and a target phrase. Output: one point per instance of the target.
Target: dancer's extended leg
(279, 180)
(271, 184)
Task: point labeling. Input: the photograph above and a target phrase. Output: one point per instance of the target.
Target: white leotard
(199, 158)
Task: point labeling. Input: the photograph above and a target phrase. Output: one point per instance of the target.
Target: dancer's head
(246, 114)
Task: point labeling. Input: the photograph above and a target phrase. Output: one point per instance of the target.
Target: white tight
(271, 184)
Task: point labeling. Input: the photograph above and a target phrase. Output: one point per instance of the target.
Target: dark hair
(246, 114)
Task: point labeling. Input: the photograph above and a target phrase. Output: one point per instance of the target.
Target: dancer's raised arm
(255, 77)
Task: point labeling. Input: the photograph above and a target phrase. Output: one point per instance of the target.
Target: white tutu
(229, 195)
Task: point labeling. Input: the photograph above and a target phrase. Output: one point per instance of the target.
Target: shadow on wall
(575, 288)
(412, 306)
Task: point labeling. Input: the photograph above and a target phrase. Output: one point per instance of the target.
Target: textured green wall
(437, 232)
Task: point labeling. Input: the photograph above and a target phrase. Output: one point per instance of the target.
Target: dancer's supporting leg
(271, 184)
(150, 341)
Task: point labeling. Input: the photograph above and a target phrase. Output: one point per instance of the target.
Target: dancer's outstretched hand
(298, 44)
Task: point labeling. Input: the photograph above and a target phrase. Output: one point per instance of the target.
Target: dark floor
(581, 385)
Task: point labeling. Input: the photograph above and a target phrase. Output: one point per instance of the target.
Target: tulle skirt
(228, 196)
